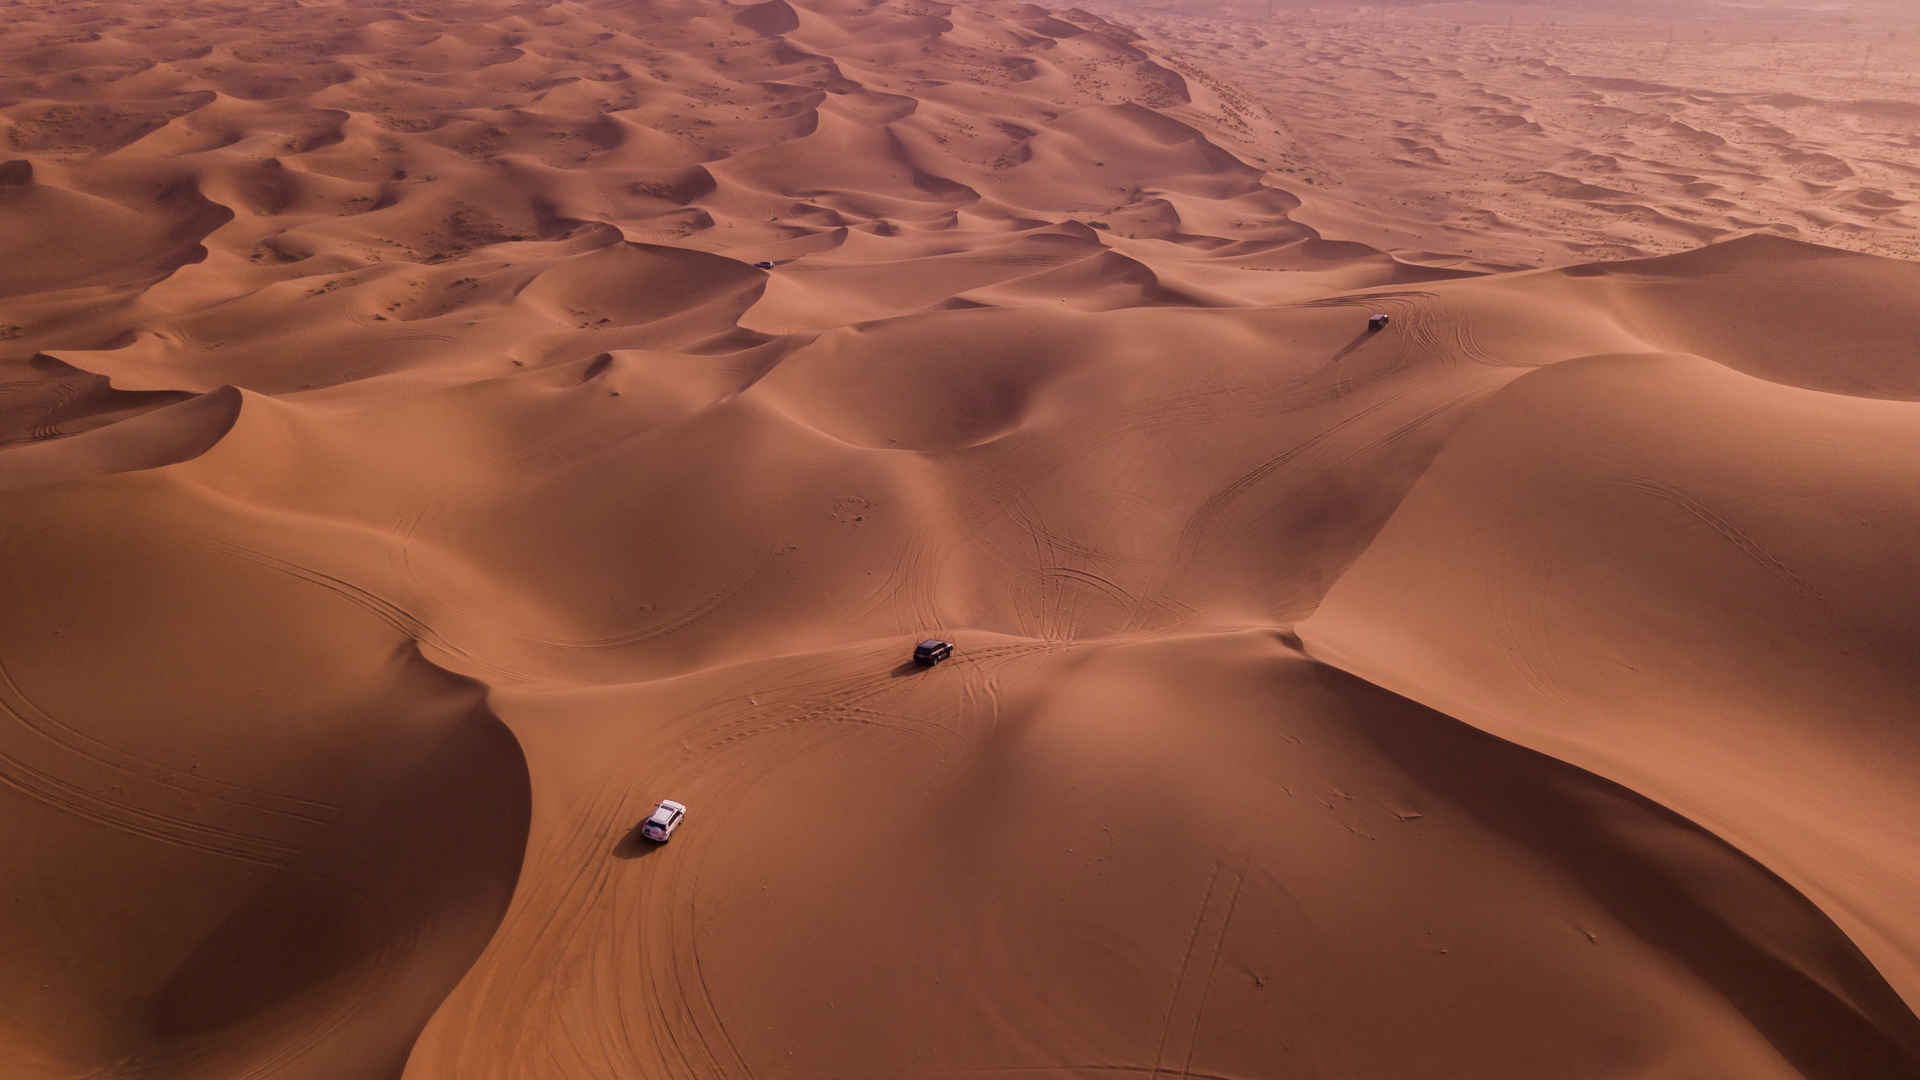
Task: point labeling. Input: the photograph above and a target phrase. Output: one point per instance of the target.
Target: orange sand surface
(409, 476)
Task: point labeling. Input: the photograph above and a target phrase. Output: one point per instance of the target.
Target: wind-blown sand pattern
(1498, 138)
(408, 477)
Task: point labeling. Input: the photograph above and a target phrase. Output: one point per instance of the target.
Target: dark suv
(932, 651)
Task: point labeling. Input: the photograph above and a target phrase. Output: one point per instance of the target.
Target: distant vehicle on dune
(932, 651)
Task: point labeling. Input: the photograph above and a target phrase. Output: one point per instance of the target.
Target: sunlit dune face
(881, 538)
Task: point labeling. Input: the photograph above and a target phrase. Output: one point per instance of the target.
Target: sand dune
(1506, 136)
(430, 436)
(1781, 678)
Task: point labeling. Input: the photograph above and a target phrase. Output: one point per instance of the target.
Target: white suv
(666, 818)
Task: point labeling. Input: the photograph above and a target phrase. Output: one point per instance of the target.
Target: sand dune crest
(430, 437)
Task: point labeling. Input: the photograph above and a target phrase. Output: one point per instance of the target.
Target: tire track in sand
(1203, 519)
(1179, 1032)
(15, 703)
(1726, 530)
(380, 607)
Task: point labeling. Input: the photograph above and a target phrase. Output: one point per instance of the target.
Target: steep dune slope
(1712, 613)
(250, 831)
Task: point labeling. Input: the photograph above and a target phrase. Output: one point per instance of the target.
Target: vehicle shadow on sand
(634, 846)
(1353, 346)
(910, 667)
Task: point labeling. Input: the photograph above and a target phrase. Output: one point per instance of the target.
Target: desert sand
(1504, 137)
(409, 475)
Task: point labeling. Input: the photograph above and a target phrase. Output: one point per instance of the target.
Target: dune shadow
(634, 846)
(1684, 891)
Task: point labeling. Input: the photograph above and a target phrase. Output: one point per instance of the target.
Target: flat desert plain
(433, 433)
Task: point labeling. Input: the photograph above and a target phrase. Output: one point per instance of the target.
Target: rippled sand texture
(408, 477)
(1508, 136)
